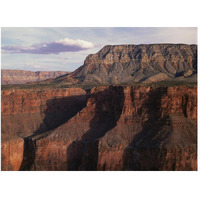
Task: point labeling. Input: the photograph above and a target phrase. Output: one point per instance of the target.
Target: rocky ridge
(22, 76)
(119, 64)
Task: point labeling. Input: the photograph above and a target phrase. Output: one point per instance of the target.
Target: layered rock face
(138, 63)
(22, 76)
(123, 128)
(28, 112)
(12, 152)
(117, 128)
(32, 113)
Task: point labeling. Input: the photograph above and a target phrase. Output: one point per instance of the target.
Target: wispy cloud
(62, 45)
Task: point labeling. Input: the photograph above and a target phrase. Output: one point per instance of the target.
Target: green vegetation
(163, 84)
(36, 86)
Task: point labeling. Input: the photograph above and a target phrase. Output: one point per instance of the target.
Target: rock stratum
(22, 76)
(106, 128)
(127, 64)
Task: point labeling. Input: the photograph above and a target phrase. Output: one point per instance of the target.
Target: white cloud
(62, 45)
(78, 42)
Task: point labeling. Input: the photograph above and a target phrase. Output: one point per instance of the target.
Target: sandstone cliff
(126, 129)
(12, 152)
(117, 128)
(22, 76)
(24, 112)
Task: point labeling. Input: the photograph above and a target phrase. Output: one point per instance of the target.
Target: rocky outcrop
(22, 76)
(126, 128)
(12, 152)
(137, 63)
(27, 112)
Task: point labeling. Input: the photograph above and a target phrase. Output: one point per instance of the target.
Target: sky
(65, 49)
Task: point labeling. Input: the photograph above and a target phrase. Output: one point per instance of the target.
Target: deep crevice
(58, 111)
(83, 154)
(145, 138)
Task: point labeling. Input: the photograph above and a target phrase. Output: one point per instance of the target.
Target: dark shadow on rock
(57, 112)
(29, 154)
(60, 110)
(184, 104)
(141, 153)
(83, 154)
(194, 61)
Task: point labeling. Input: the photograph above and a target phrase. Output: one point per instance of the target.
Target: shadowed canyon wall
(28, 113)
(117, 128)
(25, 112)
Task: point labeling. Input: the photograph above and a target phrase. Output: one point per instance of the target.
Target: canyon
(22, 76)
(106, 128)
(128, 107)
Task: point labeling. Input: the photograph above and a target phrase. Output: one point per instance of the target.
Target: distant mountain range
(22, 76)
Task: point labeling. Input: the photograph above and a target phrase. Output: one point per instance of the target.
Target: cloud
(62, 45)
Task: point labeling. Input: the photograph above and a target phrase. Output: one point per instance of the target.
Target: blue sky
(65, 49)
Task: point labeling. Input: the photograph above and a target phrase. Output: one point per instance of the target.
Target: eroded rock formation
(137, 64)
(119, 128)
(25, 112)
(12, 152)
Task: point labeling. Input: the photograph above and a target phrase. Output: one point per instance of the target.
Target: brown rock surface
(22, 76)
(117, 128)
(126, 128)
(119, 64)
(25, 112)
(12, 151)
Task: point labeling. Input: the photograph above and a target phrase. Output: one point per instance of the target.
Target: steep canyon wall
(108, 128)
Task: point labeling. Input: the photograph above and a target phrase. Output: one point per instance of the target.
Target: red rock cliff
(25, 112)
(119, 128)
(12, 152)
(126, 128)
